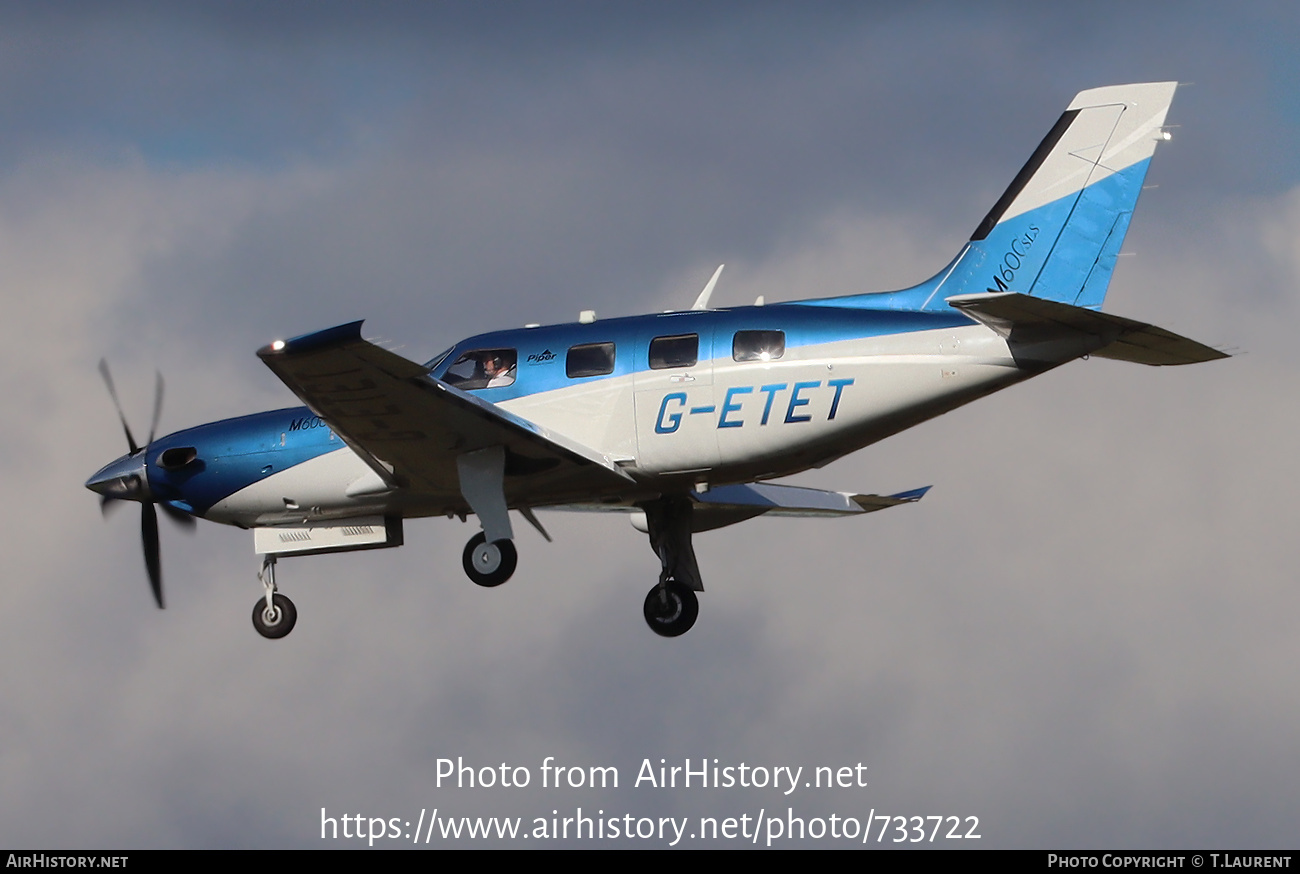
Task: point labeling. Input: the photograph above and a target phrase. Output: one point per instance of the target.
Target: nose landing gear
(277, 620)
(274, 614)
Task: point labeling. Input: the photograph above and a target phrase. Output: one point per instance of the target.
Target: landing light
(277, 345)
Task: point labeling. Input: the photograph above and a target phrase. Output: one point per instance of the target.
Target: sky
(1084, 636)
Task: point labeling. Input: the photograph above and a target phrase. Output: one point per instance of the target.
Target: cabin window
(589, 359)
(758, 345)
(482, 368)
(679, 351)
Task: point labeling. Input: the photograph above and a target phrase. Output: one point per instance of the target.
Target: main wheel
(276, 622)
(489, 564)
(671, 609)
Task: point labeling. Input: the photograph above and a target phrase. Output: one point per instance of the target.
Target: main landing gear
(489, 564)
(489, 557)
(671, 607)
(273, 615)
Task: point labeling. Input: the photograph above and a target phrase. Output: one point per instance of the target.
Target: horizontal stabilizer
(1056, 331)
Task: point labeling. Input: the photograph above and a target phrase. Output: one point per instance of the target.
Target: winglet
(702, 302)
(870, 503)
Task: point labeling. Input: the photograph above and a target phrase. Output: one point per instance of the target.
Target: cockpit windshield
(482, 368)
(433, 362)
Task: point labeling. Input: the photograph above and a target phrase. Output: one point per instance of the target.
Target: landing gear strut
(489, 564)
(671, 607)
(273, 615)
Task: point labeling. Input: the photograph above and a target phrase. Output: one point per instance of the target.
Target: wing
(415, 431)
(727, 505)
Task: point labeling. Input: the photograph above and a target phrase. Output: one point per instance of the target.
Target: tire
(489, 564)
(282, 623)
(674, 618)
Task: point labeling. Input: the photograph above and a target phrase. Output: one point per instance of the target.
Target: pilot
(497, 371)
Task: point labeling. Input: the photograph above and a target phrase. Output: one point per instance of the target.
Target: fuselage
(676, 399)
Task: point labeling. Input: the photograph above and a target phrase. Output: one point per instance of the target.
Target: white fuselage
(718, 421)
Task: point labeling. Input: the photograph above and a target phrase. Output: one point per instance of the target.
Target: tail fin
(1056, 231)
(1067, 211)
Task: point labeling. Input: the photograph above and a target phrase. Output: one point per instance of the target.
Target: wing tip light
(319, 339)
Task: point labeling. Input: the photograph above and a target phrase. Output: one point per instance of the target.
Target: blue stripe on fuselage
(235, 453)
(538, 371)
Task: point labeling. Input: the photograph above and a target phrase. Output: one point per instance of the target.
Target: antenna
(702, 302)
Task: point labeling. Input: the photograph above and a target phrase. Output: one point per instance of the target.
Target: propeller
(127, 480)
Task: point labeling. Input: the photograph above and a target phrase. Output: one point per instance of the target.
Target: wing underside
(726, 505)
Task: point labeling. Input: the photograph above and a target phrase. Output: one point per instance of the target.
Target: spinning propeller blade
(157, 404)
(137, 487)
(112, 392)
(152, 554)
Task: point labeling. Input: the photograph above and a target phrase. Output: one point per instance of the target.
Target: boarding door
(676, 414)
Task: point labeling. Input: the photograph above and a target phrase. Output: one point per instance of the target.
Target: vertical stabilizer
(1056, 231)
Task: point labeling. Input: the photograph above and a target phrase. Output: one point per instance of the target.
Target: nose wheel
(277, 620)
(489, 564)
(274, 614)
(671, 609)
